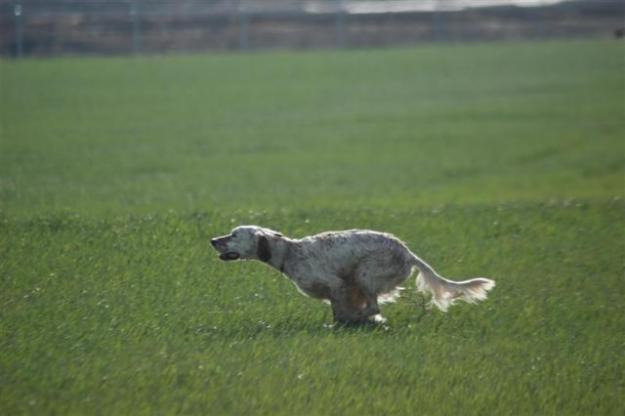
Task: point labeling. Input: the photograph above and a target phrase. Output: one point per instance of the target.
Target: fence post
(243, 22)
(19, 30)
(440, 26)
(340, 24)
(136, 27)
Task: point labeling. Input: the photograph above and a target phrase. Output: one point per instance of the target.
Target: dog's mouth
(229, 255)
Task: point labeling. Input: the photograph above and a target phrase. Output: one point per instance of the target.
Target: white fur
(354, 270)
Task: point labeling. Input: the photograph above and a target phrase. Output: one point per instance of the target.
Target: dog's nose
(214, 242)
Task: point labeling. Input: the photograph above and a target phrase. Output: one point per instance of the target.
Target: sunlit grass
(501, 160)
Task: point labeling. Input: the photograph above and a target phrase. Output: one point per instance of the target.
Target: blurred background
(61, 27)
(488, 134)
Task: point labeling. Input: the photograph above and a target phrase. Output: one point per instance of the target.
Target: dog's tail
(446, 292)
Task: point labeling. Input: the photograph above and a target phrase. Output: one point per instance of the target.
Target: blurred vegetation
(503, 160)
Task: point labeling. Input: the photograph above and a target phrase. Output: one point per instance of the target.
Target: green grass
(505, 160)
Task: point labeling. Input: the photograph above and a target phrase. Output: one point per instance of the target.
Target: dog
(354, 270)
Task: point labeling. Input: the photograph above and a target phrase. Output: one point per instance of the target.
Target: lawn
(504, 160)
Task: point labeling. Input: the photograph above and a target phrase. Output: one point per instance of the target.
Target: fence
(56, 27)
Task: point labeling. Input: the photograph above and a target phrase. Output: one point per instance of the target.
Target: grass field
(505, 160)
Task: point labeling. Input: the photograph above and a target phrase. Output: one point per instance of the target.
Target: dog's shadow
(288, 327)
(369, 326)
(279, 329)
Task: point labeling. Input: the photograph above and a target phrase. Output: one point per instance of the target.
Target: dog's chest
(310, 279)
(314, 289)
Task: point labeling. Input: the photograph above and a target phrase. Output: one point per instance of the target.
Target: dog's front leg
(347, 306)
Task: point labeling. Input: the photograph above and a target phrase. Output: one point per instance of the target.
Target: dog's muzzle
(230, 255)
(223, 253)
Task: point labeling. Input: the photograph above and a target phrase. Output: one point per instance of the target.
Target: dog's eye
(234, 235)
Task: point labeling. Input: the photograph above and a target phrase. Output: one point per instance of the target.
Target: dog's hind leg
(372, 308)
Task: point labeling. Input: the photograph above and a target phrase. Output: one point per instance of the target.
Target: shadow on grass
(288, 327)
(283, 329)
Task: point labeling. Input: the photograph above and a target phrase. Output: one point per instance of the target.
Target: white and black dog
(354, 270)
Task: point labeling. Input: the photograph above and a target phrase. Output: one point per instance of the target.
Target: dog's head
(246, 242)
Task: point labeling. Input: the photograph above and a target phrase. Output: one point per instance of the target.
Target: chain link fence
(61, 27)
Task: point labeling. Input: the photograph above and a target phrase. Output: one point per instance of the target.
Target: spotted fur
(354, 270)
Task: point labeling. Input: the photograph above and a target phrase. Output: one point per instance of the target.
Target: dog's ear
(262, 249)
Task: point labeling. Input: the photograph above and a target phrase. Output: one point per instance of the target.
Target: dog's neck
(279, 253)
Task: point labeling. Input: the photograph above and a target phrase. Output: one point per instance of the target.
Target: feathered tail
(446, 292)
